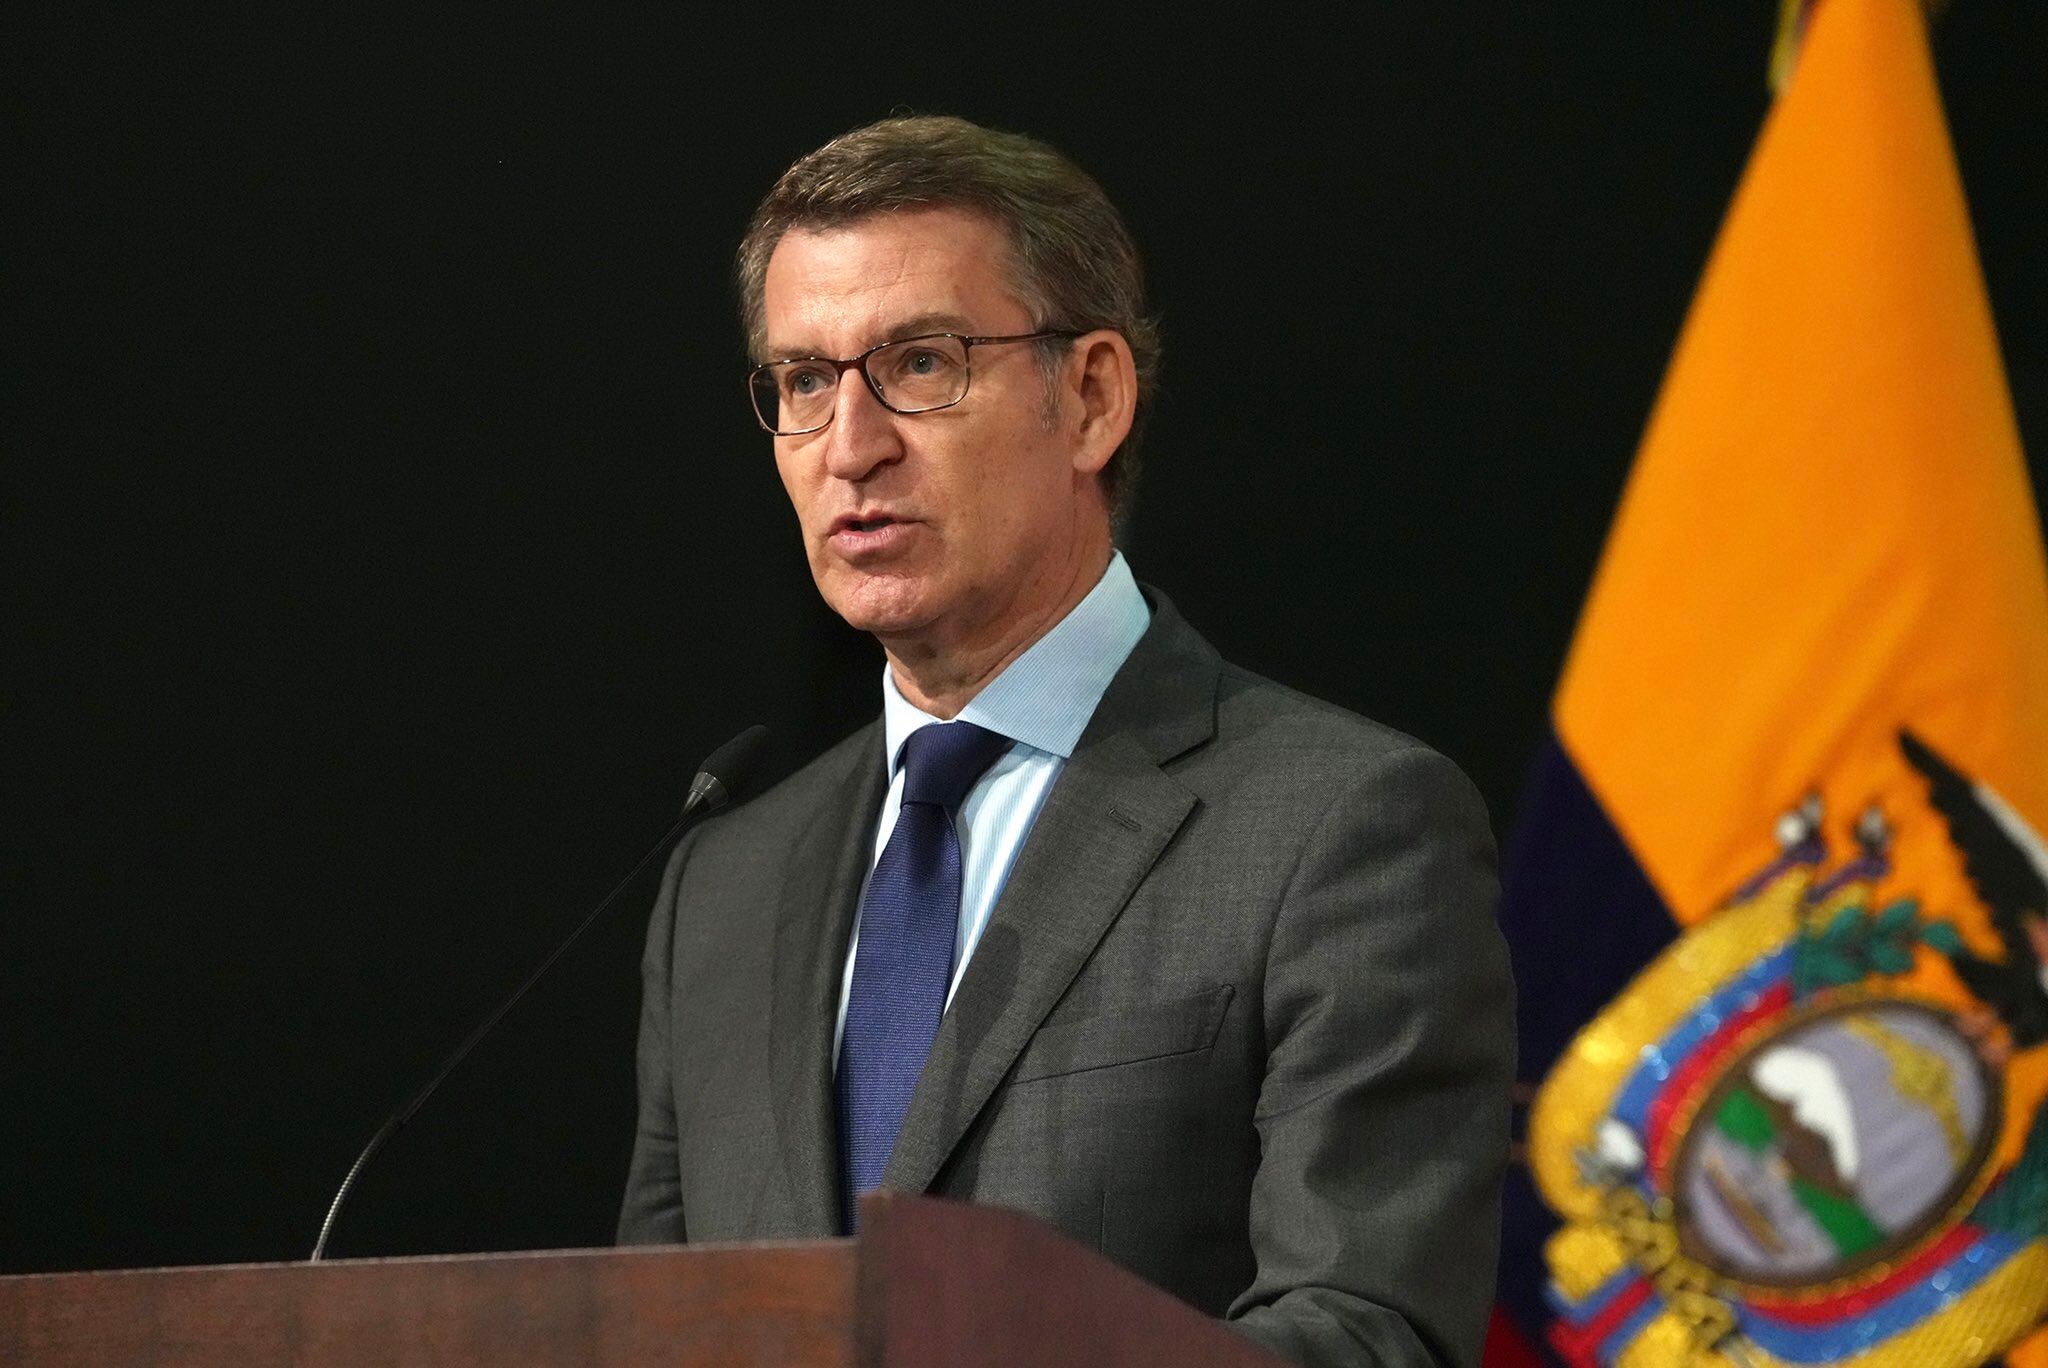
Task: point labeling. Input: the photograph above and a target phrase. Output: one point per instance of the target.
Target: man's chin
(882, 605)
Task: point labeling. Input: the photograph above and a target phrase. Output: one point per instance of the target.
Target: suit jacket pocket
(1125, 1036)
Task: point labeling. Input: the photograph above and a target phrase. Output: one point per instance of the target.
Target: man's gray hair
(1073, 264)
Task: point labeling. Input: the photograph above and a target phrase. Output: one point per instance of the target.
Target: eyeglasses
(913, 375)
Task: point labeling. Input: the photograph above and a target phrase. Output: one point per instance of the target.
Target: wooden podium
(928, 1283)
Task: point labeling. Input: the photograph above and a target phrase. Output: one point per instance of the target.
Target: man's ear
(1103, 378)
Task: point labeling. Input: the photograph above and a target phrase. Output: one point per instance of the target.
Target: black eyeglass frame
(860, 363)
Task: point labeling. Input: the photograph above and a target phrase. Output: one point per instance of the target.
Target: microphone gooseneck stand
(716, 783)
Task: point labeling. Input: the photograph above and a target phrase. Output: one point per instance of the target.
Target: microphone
(718, 780)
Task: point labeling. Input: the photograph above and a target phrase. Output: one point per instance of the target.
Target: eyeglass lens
(911, 376)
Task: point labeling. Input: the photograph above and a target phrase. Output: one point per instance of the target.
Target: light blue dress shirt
(1042, 701)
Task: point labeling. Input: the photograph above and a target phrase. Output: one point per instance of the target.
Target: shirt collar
(1045, 696)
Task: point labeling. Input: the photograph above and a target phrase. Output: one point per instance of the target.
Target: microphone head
(726, 770)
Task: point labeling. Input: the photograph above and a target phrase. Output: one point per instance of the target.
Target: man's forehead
(840, 290)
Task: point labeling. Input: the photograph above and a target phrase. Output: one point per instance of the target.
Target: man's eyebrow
(917, 325)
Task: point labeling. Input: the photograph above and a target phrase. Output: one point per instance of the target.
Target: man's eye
(807, 382)
(923, 361)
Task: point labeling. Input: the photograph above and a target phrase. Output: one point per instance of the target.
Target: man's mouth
(866, 522)
(870, 538)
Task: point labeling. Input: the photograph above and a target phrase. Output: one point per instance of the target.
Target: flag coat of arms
(1780, 890)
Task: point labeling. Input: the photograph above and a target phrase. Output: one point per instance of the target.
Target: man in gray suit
(1089, 923)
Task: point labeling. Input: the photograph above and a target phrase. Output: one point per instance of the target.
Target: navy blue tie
(909, 919)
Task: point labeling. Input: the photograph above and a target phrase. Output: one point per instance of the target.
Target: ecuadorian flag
(1779, 894)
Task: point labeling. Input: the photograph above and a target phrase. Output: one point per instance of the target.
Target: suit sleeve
(1383, 1113)
(652, 1211)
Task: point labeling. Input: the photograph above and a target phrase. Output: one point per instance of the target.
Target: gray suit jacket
(1241, 1018)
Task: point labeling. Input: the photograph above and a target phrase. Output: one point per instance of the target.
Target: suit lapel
(814, 920)
(1107, 820)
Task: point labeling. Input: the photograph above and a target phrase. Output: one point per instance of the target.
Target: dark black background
(387, 536)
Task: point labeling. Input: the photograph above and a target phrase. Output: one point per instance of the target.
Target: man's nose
(863, 433)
